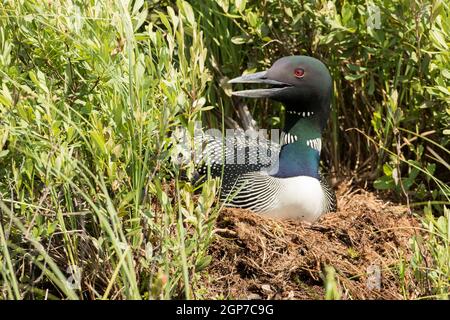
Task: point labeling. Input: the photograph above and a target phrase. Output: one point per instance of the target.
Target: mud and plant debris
(256, 257)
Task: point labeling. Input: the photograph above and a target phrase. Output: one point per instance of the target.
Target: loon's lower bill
(289, 184)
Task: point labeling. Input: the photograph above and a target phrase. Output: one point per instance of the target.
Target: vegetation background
(91, 207)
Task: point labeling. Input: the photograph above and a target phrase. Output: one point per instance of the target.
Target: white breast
(299, 197)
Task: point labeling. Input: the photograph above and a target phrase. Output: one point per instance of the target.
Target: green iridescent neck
(300, 153)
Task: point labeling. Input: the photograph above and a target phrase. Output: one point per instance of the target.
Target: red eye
(299, 73)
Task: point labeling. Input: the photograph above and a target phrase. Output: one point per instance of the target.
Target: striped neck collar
(300, 151)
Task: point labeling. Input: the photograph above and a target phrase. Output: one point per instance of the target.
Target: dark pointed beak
(260, 78)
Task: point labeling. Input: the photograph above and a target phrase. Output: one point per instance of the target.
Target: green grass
(91, 207)
(89, 96)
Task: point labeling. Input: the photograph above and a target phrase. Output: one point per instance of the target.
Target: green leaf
(387, 169)
(165, 22)
(6, 98)
(353, 77)
(188, 12)
(224, 4)
(384, 183)
(252, 19)
(446, 73)
(5, 101)
(239, 40)
(137, 6)
(203, 263)
(288, 12)
(438, 39)
(99, 141)
(240, 5)
(4, 153)
(442, 224)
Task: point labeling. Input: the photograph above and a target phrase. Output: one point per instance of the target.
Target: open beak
(260, 78)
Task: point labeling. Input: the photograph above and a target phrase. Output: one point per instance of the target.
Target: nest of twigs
(256, 257)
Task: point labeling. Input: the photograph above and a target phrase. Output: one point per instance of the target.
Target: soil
(257, 257)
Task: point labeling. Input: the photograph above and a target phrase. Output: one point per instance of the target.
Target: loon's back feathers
(246, 165)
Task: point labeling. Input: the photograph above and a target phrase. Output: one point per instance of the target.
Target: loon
(292, 185)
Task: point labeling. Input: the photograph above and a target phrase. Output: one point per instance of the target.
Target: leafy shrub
(89, 96)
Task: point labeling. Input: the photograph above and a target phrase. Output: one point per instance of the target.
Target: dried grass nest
(256, 257)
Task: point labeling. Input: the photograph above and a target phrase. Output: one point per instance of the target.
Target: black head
(303, 84)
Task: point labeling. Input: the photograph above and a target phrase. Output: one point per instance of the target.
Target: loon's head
(303, 84)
